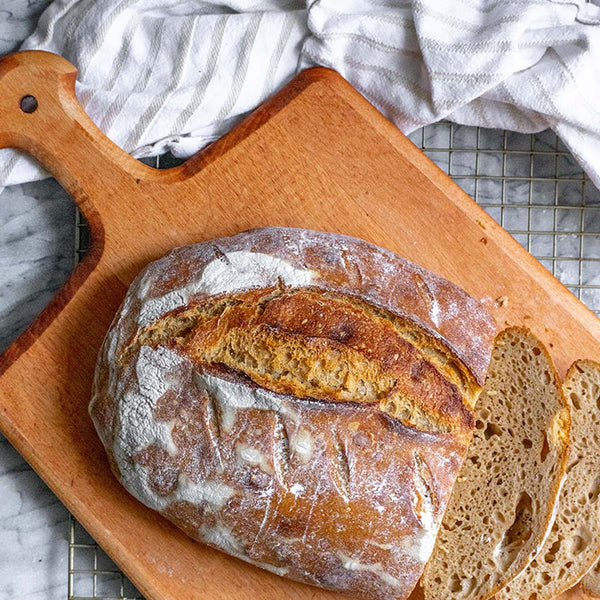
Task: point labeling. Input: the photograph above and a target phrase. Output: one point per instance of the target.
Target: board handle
(40, 115)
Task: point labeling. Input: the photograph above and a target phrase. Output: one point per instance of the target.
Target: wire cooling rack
(530, 184)
(92, 574)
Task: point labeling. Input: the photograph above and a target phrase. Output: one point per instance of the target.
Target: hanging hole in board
(28, 104)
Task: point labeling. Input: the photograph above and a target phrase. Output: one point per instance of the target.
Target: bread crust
(332, 328)
(355, 267)
(284, 469)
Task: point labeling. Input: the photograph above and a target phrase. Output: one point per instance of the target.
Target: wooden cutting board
(317, 155)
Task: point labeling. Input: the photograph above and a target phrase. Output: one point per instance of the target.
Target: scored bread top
(321, 345)
(301, 258)
(297, 399)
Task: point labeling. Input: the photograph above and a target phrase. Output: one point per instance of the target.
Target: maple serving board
(318, 156)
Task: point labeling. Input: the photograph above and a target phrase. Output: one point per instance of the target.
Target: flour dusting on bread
(291, 398)
(229, 273)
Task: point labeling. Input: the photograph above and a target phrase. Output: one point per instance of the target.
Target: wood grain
(318, 156)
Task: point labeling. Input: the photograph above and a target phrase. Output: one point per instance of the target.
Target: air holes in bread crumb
(499, 517)
(575, 402)
(454, 525)
(545, 449)
(594, 490)
(527, 444)
(475, 461)
(517, 534)
(462, 587)
(577, 545)
(546, 579)
(491, 430)
(550, 556)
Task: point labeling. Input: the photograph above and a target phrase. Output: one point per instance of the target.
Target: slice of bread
(591, 582)
(502, 504)
(573, 545)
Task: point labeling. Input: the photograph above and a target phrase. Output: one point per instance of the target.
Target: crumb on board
(500, 301)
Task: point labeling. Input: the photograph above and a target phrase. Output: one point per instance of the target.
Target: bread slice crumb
(501, 507)
(573, 545)
(590, 584)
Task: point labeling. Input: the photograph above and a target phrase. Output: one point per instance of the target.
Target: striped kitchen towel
(159, 75)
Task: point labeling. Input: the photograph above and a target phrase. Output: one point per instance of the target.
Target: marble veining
(18, 19)
(33, 533)
(36, 255)
(37, 222)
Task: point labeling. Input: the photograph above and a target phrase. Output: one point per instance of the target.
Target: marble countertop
(36, 255)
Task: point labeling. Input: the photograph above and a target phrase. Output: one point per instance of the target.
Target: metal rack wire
(530, 184)
(535, 189)
(92, 575)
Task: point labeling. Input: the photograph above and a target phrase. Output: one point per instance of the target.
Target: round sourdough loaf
(298, 399)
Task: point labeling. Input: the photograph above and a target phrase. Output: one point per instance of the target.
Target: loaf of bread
(298, 399)
(502, 505)
(573, 545)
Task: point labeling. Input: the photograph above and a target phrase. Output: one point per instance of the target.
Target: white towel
(160, 75)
